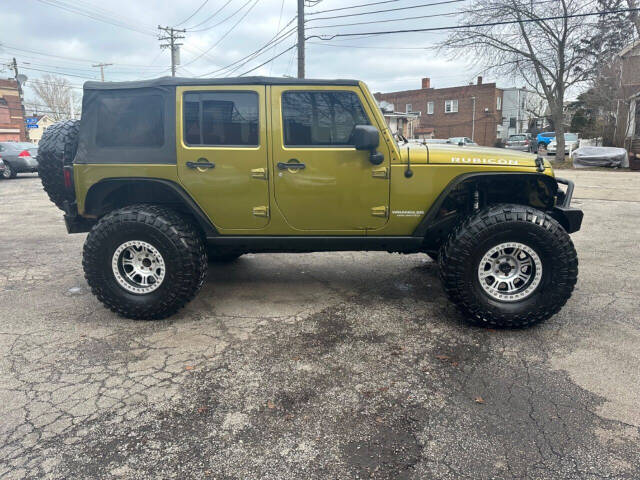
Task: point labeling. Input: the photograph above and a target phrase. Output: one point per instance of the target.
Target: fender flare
(429, 217)
(103, 188)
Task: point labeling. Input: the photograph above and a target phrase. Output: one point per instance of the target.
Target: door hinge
(261, 211)
(382, 172)
(259, 173)
(380, 211)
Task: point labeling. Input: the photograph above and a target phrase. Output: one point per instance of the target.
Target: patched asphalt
(315, 366)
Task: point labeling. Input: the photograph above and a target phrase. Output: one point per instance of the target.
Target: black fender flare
(429, 217)
(103, 188)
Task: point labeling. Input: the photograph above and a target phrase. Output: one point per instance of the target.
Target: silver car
(18, 157)
(520, 141)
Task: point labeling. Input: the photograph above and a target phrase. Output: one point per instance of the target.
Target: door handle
(201, 164)
(291, 166)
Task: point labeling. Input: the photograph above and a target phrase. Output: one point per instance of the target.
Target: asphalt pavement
(317, 366)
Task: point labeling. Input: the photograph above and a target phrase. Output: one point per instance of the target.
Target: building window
(429, 108)
(450, 106)
(408, 108)
(321, 118)
(498, 103)
(512, 122)
(221, 118)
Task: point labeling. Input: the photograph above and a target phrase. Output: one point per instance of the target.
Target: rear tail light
(526, 142)
(24, 153)
(67, 178)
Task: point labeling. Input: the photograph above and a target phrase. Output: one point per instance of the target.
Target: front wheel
(144, 261)
(509, 266)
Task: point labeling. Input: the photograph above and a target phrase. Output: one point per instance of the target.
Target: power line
(255, 2)
(272, 58)
(211, 16)
(257, 54)
(442, 2)
(89, 14)
(221, 21)
(353, 6)
(193, 14)
(433, 15)
(476, 25)
(277, 28)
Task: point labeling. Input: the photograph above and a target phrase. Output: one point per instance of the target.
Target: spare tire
(56, 149)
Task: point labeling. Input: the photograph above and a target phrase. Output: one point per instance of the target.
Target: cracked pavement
(313, 366)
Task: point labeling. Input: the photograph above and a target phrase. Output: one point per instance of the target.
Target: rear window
(516, 138)
(130, 121)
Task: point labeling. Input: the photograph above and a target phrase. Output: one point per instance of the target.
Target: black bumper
(570, 218)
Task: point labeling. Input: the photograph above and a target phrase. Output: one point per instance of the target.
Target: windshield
(548, 134)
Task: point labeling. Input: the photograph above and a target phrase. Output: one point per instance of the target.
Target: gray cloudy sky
(45, 36)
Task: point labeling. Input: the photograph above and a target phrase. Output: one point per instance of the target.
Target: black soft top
(182, 81)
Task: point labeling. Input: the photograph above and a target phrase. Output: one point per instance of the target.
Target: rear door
(222, 153)
(322, 183)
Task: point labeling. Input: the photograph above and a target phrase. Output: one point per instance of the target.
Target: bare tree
(543, 48)
(57, 96)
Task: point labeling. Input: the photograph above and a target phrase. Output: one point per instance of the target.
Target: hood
(442, 153)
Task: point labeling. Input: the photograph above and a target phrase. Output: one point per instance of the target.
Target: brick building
(473, 111)
(628, 111)
(12, 127)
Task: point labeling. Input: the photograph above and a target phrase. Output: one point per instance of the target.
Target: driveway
(317, 366)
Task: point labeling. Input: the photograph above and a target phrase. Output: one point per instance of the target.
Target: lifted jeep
(163, 173)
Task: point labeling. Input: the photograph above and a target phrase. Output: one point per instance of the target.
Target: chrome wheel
(510, 271)
(6, 173)
(138, 267)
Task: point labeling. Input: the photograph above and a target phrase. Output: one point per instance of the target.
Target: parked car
(545, 138)
(520, 141)
(571, 142)
(461, 141)
(18, 157)
(2, 168)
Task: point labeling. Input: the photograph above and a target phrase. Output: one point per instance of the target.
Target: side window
(130, 121)
(221, 118)
(321, 118)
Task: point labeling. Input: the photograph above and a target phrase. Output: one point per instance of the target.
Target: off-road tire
(173, 235)
(56, 149)
(9, 171)
(460, 258)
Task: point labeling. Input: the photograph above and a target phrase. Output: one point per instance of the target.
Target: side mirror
(367, 137)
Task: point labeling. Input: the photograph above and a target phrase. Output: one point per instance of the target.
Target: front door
(222, 153)
(322, 183)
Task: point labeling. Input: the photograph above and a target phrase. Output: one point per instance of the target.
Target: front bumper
(569, 217)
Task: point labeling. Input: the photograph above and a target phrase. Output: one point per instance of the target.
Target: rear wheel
(144, 261)
(509, 266)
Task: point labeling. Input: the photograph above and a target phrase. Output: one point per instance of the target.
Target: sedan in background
(520, 141)
(18, 157)
(571, 142)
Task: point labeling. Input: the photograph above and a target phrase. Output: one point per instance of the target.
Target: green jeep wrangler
(167, 172)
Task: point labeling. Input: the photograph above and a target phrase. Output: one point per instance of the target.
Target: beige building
(42, 122)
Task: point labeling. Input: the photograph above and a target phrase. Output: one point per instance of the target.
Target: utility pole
(14, 65)
(102, 65)
(171, 35)
(300, 38)
(473, 119)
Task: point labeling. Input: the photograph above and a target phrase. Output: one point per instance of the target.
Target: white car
(571, 142)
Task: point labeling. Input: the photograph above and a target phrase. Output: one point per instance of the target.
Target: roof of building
(182, 81)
